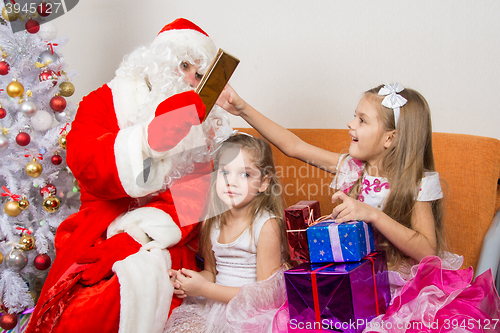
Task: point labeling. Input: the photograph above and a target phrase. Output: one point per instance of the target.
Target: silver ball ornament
(16, 259)
(47, 55)
(28, 108)
(4, 142)
(63, 116)
(42, 121)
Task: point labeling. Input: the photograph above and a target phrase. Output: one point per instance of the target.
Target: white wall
(305, 64)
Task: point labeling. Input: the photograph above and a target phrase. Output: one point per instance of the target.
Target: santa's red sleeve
(90, 146)
(106, 154)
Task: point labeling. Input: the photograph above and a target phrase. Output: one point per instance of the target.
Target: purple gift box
(338, 297)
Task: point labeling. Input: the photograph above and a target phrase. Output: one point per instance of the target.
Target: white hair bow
(392, 99)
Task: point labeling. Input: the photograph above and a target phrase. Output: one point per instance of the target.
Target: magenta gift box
(338, 297)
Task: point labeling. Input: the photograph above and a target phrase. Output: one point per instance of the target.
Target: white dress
(253, 308)
(375, 190)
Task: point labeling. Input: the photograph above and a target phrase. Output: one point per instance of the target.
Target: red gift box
(297, 218)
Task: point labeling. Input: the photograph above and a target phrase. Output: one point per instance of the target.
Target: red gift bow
(370, 257)
(24, 230)
(51, 48)
(7, 193)
(63, 128)
(315, 294)
(40, 156)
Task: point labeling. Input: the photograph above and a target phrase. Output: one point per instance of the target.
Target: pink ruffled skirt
(438, 296)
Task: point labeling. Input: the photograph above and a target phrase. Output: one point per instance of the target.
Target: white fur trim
(152, 227)
(129, 163)
(189, 37)
(145, 291)
(128, 96)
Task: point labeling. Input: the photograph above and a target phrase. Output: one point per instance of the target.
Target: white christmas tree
(38, 190)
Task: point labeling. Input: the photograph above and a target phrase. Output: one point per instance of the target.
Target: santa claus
(137, 147)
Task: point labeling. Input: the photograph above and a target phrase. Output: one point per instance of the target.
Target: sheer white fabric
(255, 305)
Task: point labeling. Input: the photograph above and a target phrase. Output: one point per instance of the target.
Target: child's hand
(173, 278)
(191, 283)
(230, 101)
(351, 209)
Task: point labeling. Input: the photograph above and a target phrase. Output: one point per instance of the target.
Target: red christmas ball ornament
(48, 75)
(32, 26)
(3, 113)
(23, 139)
(42, 261)
(44, 9)
(48, 189)
(8, 321)
(56, 159)
(57, 103)
(4, 67)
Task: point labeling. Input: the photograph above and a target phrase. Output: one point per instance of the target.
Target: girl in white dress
(388, 179)
(243, 242)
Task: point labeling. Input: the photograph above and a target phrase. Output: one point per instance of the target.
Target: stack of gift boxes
(339, 282)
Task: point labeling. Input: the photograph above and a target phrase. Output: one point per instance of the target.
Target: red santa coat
(106, 156)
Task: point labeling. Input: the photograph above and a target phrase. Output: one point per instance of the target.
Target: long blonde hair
(269, 200)
(404, 164)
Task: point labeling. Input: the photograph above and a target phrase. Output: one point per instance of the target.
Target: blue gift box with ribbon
(333, 242)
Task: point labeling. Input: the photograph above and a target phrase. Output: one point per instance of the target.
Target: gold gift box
(215, 79)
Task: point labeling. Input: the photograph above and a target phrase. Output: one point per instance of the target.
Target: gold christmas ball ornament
(33, 168)
(10, 14)
(34, 296)
(1, 258)
(12, 208)
(51, 204)
(62, 140)
(27, 242)
(15, 89)
(23, 204)
(66, 89)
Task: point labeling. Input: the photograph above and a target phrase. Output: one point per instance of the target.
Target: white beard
(134, 101)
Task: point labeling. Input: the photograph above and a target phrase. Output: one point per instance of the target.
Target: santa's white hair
(159, 64)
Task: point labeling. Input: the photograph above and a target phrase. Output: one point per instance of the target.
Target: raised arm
(287, 142)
